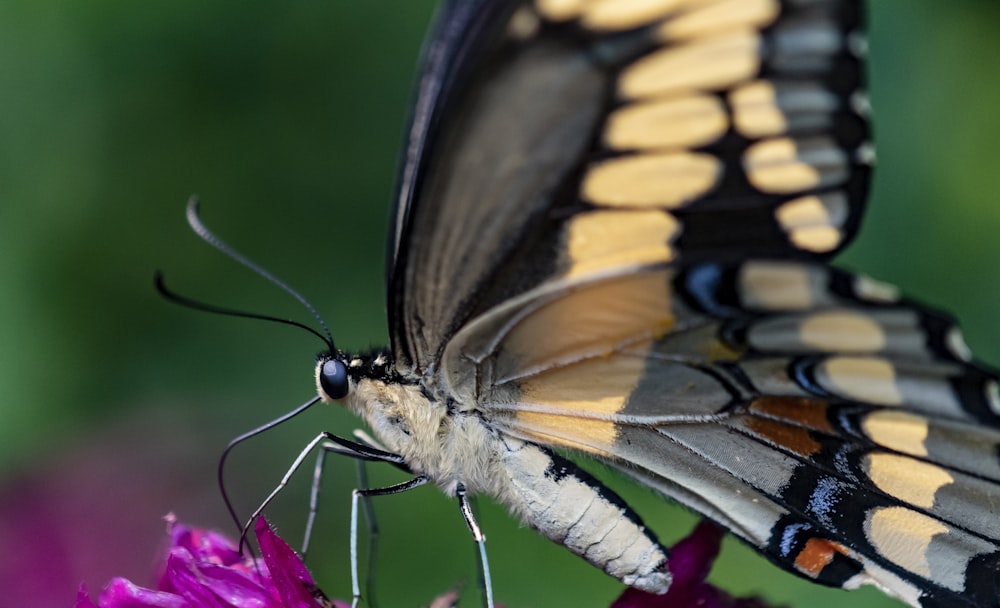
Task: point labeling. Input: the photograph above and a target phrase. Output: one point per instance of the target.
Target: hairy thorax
(449, 448)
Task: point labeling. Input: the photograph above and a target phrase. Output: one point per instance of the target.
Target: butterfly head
(339, 373)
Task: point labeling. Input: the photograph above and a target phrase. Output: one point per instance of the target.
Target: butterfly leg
(314, 498)
(478, 536)
(357, 495)
(328, 447)
(369, 510)
(373, 532)
(328, 442)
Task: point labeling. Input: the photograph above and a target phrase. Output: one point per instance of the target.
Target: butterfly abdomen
(569, 507)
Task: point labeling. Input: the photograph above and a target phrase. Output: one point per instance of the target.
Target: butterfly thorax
(448, 447)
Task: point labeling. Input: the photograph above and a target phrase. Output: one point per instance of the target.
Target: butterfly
(612, 236)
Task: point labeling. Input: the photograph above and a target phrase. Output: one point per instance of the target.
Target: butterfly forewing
(604, 134)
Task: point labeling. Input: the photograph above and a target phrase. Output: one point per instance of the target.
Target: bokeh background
(286, 118)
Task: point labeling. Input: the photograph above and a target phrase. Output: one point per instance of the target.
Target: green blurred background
(286, 118)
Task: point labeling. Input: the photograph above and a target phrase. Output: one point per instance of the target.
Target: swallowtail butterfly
(611, 236)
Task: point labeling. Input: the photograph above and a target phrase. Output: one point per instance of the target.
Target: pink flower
(204, 569)
(690, 562)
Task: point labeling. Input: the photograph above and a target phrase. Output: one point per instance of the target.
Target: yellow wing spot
(907, 479)
(835, 330)
(899, 431)
(689, 121)
(784, 165)
(813, 210)
(818, 239)
(628, 14)
(605, 239)
(862, 378)
(842, 331)
(561, 10)
(903, 537)
(755, 110)
(715, 17)
(653, 180)
(829, 209)
(812, 221)
(706, 64)
(776, 286)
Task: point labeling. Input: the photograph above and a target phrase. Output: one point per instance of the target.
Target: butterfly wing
(554, 137)
(611, 236)
(840, 430)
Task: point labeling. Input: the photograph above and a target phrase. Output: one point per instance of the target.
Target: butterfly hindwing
(819, 413)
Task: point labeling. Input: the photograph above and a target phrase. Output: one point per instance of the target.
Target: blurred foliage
(286, 118)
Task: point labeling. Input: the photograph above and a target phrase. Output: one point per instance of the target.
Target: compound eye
(333, 379)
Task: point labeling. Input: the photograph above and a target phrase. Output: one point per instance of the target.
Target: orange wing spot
(794, 438)
(816, 555)
(810, 413)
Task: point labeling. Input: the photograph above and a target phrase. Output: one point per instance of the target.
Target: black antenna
(209, 237)
(176, 298)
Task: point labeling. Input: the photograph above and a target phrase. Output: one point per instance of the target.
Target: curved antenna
(209, 237)
(249, 434)
(229, 312)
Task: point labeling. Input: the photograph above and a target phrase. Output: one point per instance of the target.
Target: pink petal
(122, 593)
(289, 575)
(83, 598)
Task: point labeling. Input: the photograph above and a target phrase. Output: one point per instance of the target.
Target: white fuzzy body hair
(448, 449)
